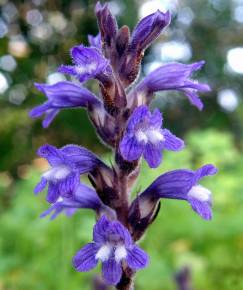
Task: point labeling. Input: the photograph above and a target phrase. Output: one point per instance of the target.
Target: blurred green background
(35, 37)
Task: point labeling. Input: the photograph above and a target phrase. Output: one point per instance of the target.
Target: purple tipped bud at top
(107, 24)
(148, 29)
(144, 136)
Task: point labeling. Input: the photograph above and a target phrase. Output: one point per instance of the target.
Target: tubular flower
(172, 76)
(144, 136)
(112, 245)
(183, 184)
(88, 63)
(67, 164)
(83, 197)
(62, 95)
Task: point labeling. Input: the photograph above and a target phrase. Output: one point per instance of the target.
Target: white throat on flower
(200, 193)
(106, 250)
(57, 173)
(149, 135)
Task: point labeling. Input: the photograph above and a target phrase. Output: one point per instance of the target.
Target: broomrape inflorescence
(122, 119)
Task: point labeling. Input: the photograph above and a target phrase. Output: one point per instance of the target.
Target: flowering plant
(123, 120)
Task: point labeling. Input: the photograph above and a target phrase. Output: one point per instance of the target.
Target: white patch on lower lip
(104, 253)
(154, 136)
(200, 193)
(120, 253)
(57, 172)
(149, 135)
(89, 68)
(141, 136)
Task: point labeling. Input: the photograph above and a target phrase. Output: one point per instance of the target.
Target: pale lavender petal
(100, 230)
(80, 158)
(172, 142)
(49, 117)
(40, 186)
(51, 154)
(138, 116)
(85, 260)
(137, 258)
(156, 119)
(118, 229)
(95, 40)
(205, 170)
(83, 197)
(203, 208)
(148, 29)
(193, 98)
(87, 197)
(54, 210)
(112, 271)
(52, 193)
(131, 149)
(153, 155)
(68, 185)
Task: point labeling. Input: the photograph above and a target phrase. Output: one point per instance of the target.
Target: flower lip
(200, 193)
(104, 252)
(57, 173)
(120, 253)
(88, 63)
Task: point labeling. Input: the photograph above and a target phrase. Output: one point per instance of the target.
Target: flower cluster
(123, 120)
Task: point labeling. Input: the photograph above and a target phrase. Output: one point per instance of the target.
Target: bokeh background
(35, 37)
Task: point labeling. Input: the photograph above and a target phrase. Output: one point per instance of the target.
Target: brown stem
(126, 282)
(123, 204)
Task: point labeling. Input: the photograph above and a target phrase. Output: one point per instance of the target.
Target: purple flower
(183, 184)
(82, 197)
(173, 76)
(88, 63)
(62, 95)
(95, 41)
(144, 136)
(112, 245)
(67, 164)
(148, 29)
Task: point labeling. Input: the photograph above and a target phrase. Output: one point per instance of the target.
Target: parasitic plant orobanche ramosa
(123, 120)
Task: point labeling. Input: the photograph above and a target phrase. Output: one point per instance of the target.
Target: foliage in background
(35, 253)
(30, 257)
